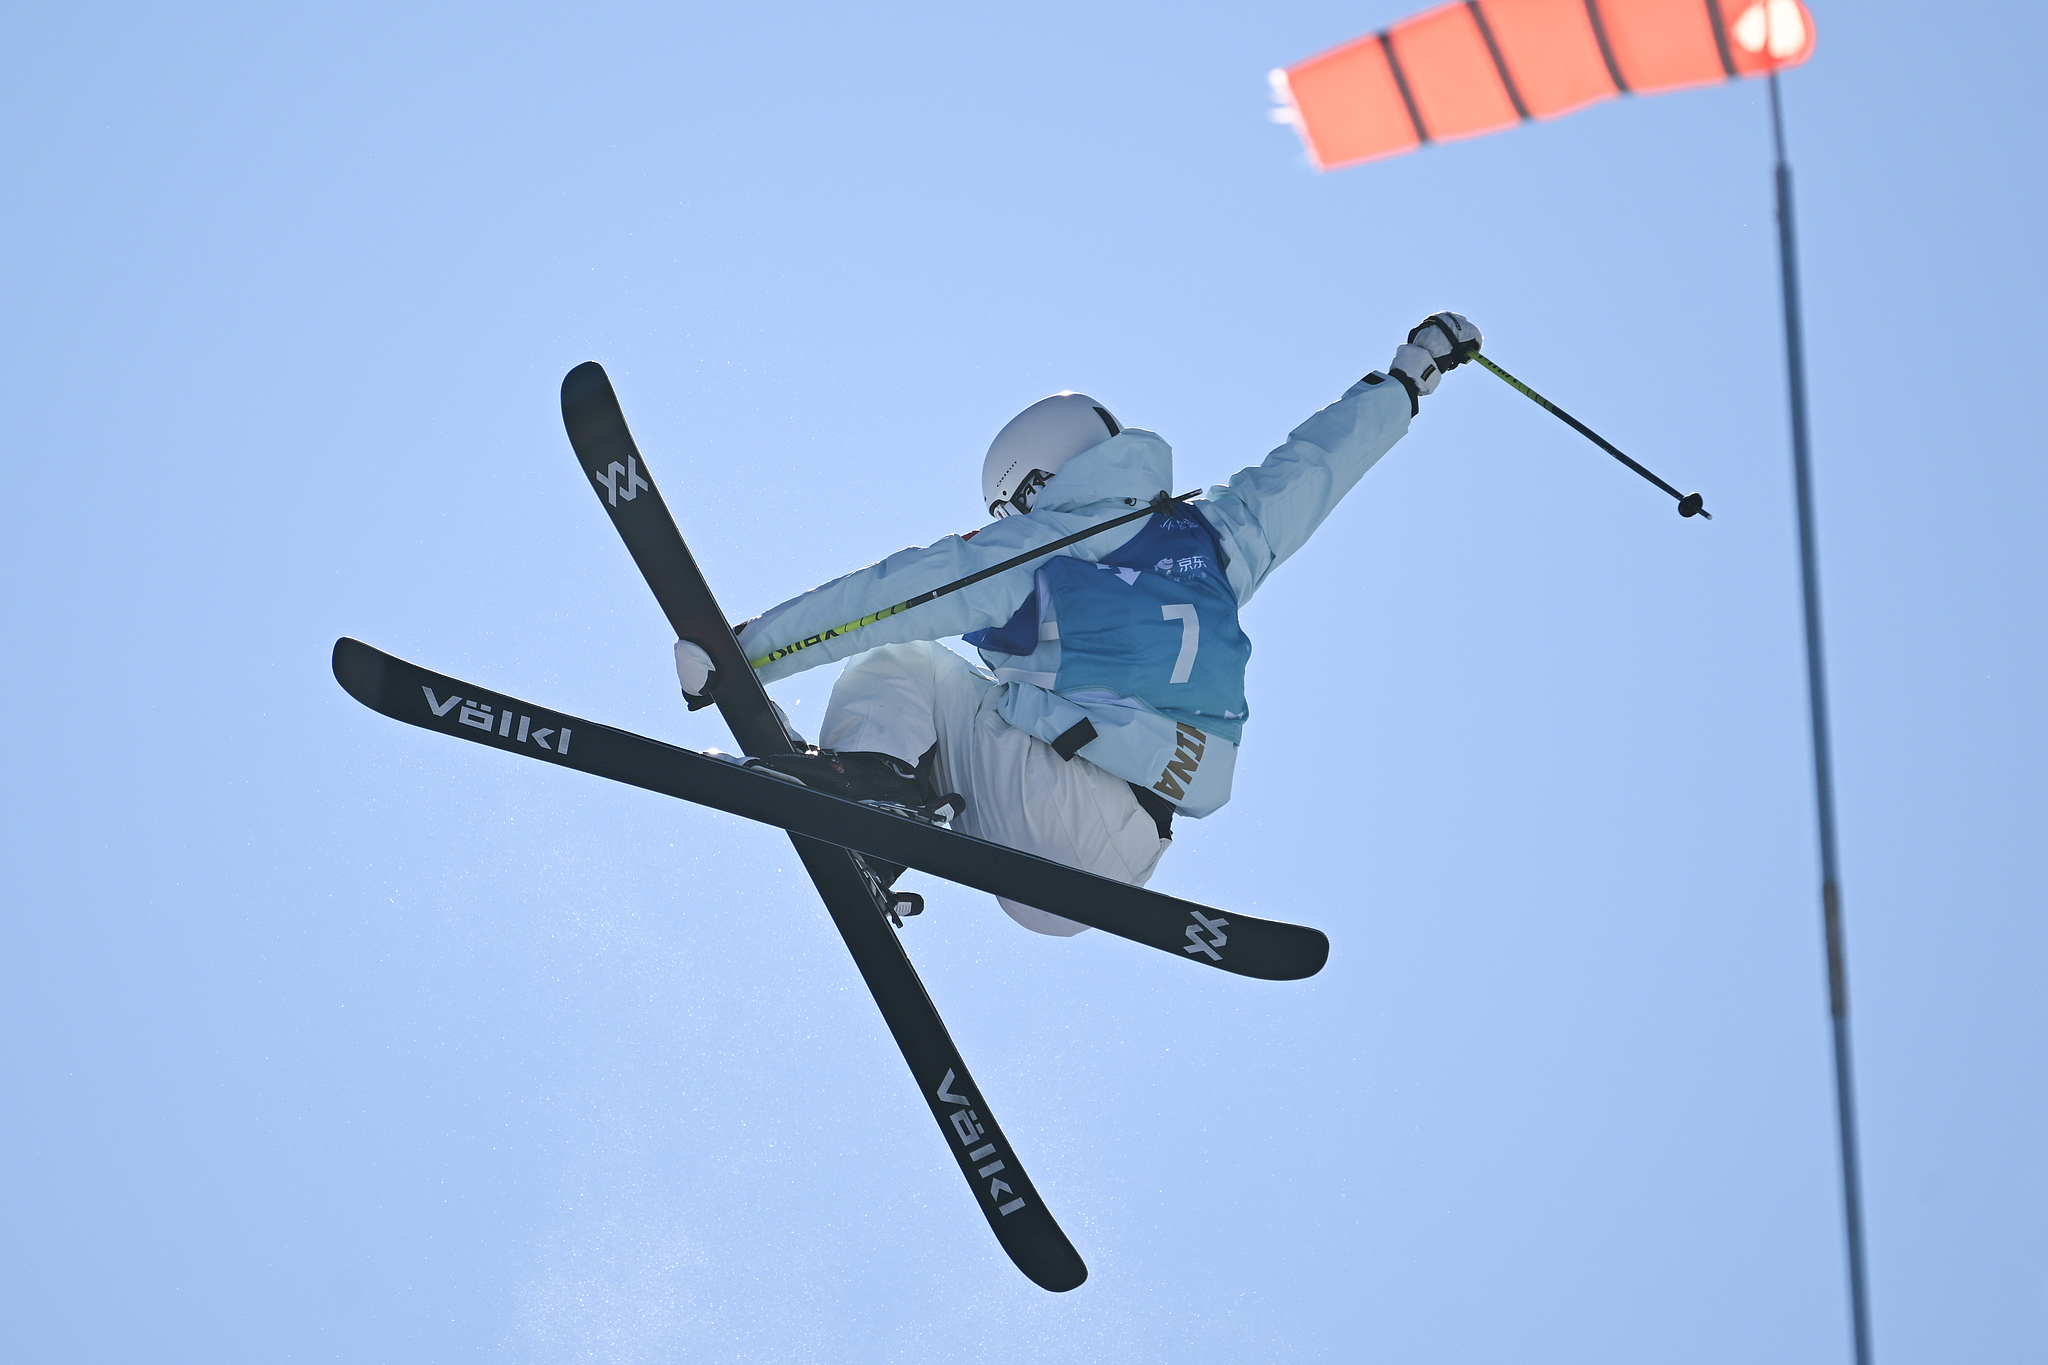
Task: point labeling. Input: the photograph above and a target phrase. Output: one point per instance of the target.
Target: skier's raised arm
(1267, 512)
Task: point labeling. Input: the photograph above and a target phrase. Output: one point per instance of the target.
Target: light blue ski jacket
(1262, 516)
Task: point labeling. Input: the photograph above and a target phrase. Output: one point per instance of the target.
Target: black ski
(1243, 944)
(1015, 1213)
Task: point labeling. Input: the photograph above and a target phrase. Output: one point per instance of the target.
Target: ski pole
(1157, 504)
(1689, 504)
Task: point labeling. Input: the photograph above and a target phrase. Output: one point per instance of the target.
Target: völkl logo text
(480, 715)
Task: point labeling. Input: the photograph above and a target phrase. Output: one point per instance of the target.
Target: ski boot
(854, 777)
(870, 778)
(873, 779)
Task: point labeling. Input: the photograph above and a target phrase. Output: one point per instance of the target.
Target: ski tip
(590, 413)
(1321, 952)
(586, 379)
(1300, 954)
(1061, 1284)
(359, 669)
(1053, 1264)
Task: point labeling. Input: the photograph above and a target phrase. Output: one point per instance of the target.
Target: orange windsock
(1475, 66)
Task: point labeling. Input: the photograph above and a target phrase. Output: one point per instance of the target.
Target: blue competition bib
(1155, 621)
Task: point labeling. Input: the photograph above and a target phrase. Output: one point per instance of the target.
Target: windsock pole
(1823, 760)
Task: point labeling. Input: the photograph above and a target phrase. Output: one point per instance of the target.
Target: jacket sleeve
(811, 619)
(1269, 511)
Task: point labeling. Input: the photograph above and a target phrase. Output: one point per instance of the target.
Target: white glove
(1444, 341)
(1450, 339)
(1416, 369)
(694, 669)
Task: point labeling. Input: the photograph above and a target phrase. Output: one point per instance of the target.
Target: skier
(1112, 696)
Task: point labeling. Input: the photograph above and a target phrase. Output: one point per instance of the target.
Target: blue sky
(329, 1039)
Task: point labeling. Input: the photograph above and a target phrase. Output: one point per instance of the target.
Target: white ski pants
(902, 699)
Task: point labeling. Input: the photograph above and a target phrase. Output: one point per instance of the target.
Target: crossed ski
(1242, 944)
(824, 829)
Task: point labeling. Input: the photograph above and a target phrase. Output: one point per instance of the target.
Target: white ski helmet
(1035, 444)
